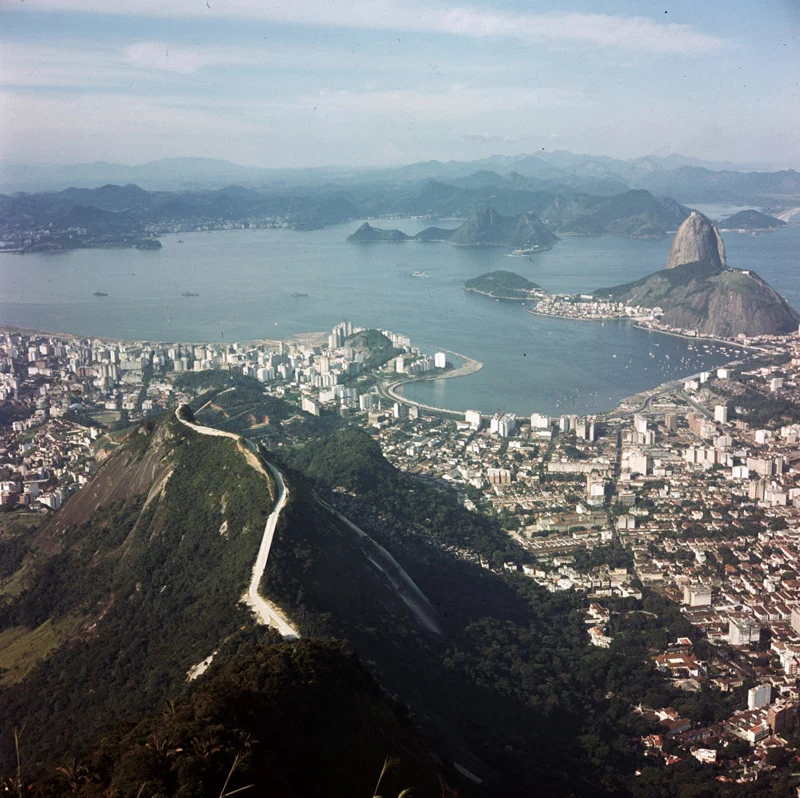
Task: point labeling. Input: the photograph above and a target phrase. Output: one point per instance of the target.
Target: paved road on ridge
(265, 611)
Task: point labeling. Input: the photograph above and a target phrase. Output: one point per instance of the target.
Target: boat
(296, 294)
(418, 274)
(99, 293)
(189, 293)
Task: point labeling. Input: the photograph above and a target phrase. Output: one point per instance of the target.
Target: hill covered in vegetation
(697, 292)
(255, 724)
(134, 581)
(502, 285)
(751, 221)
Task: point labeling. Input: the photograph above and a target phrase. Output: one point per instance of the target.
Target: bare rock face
(697, 241)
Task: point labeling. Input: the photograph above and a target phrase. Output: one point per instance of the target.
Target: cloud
(51, 65)
(602, 30)
(114, 125)
(453, 102)
(184, 60)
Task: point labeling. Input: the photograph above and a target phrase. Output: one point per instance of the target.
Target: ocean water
(251, 285)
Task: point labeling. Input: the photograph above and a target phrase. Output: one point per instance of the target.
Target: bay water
(276, 283)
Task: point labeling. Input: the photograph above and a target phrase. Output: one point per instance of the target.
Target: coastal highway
(389, 391)
(698, 407)
(265, 611)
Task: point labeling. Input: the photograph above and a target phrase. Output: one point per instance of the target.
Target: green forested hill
(131, 584)
(288, 721)
(502, 285)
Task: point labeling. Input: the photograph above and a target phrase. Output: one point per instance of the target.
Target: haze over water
(248, 281)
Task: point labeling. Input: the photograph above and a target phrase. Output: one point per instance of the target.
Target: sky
(291, 83)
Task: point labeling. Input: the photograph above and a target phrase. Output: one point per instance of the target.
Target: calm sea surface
(248, 281)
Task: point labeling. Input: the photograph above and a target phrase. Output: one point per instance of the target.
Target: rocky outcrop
(698, 292)
(697, 241)
(486, 228)
(367, 234)
(712, 301)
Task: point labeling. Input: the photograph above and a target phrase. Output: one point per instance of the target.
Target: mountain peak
(697, 241)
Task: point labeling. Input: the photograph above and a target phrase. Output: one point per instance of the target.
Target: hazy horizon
(385, 82)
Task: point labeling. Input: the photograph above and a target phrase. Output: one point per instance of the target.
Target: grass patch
(21, 649)
(13, 586)
(106, 417)
(18, 522)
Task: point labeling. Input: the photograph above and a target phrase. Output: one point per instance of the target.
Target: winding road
(398, 578)
(381, 560)
(266, 612)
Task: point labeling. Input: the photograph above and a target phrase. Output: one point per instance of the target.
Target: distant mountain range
(115, 215)
(685, 178)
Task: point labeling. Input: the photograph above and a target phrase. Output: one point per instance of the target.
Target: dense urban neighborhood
(688, 494)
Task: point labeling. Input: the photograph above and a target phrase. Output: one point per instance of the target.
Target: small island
(751, 221)
(504, 285)
(367, 234)
(148, 243)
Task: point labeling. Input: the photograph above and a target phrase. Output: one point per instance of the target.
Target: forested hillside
(132, 583)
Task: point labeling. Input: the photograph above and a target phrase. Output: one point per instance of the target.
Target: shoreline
(468, 367)
(637, 322)
(583, 318)
(530, 298)
(676, 334)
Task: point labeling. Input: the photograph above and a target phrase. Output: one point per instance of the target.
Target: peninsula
(751, 221)
(697, 292)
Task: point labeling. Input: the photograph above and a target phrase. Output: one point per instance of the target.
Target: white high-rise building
(474, 419)
(584, 429)
(697, 595)
(440, 360)
(721, 414)
(503, 424)
(638, 463)
(538, 421)
(759, 696)
(743, 631)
